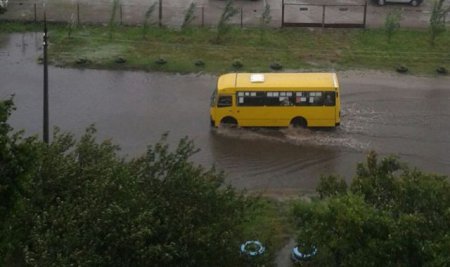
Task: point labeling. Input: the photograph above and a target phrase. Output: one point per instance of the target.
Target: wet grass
(293, 48)
(268, 221)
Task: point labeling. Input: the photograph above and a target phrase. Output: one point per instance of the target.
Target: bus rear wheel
(229, 122)
(299, 122)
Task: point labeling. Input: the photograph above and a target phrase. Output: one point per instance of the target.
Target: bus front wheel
(229, 122)
(299, 122)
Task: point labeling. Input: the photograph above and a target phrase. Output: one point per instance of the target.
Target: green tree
(437, 20)
(79, 203)
(223, 26)
(345, 230)
(147, 16)
(264, 21)
(390, 215)
(112, 20)
(17, 165)
(330, 186)
(392, 23)
(189, 16)
(376, 181)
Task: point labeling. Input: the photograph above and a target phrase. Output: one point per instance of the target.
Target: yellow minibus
(276, 100)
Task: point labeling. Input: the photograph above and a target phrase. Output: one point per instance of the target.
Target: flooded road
(389, 113)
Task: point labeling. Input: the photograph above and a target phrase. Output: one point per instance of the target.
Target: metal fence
(325, 15)
(303, 13)
(130, 14)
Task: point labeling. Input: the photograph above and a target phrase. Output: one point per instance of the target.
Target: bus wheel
(299, 122)
(229, 122)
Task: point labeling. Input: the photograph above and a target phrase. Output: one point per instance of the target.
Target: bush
(78, 203)
(390, 215)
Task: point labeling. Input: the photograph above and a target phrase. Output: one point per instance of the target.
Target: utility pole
(45, 43)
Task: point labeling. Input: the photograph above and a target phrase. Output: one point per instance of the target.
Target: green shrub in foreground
(78, 203)
(390, 216)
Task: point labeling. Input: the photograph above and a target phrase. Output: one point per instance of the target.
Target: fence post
(203, 16)
(323, 16)
(282, 13)
(365, 14)
(242, 23)
(160, 14)
(78, 14)
(120, 13)
(35, 13)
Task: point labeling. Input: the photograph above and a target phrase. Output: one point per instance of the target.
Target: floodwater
(390, 113)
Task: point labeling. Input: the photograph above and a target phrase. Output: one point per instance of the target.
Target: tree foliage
(264, 21)
(147, 17)
(223, 26)
(330, 186)
(389, 216)
(76, 202)
(112, 19)
(392, 23)
(17, 164)
(189, 16)
(437, 19)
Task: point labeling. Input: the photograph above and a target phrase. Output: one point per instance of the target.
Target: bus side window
(224, 101)
(329, 99)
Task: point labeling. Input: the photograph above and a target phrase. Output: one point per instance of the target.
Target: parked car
(3, 6)
(3, 3)
(411, 2)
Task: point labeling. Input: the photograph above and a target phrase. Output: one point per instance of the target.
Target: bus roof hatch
(257, 78)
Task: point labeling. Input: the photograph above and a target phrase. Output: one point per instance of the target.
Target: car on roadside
(410, 2)
(3, 3)
(3, 6)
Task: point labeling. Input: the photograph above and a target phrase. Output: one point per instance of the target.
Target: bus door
(329, 106)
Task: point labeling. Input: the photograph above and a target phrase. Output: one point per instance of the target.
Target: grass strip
(294, 48)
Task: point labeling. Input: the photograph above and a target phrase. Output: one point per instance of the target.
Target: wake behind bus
(276, 100)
